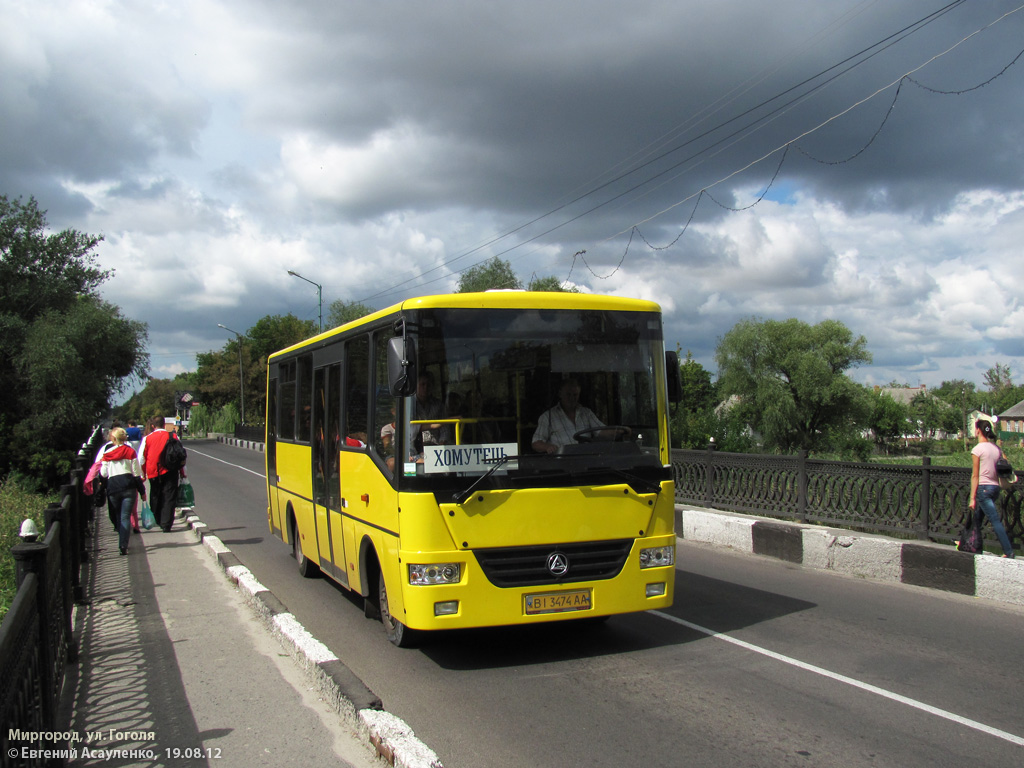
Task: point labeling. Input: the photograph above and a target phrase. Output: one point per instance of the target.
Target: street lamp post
(319, 295)
(241, 377)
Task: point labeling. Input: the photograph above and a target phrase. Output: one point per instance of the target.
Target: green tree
(962, 396)
(790, 380)
(694, 421)
(932, 415)
(272, 333)
(550, 284)
(341, 312)
(492, 274)
(201, 422)
(1002, 393)
(155, 399)
(997, 378)
(64, 352)
(1008, 398)
(889, 419)
(218, 379)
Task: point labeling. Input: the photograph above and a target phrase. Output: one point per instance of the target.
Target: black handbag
(1005, 473)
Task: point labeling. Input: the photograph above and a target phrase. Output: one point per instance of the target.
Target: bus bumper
(475, 602)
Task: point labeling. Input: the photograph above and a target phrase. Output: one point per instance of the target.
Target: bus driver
(557, 425)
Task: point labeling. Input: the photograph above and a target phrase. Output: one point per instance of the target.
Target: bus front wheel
(397, 632)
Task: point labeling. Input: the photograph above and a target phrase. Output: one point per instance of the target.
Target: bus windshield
(509, 398)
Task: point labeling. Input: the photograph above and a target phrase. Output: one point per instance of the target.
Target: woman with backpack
(985, 482)
(163, 481)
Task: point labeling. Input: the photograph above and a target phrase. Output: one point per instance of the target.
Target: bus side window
(383, 429)
(286, 426)
(357, 375)
(305, 397)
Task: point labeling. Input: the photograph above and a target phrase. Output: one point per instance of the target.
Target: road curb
(362, 709)
(922, 564)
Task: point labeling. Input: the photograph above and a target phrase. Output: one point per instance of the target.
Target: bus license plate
(558, 602)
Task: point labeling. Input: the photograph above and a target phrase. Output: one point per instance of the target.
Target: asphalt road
(811, 669)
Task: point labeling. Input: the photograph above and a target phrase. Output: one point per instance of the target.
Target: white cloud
(380, 149)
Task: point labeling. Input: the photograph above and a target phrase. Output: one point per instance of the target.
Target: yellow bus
(480, 459)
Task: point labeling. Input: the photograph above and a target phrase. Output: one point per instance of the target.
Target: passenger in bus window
(426, 406)
(387, 434)
(557, 425)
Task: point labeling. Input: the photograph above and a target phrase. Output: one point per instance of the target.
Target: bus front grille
(535, 565)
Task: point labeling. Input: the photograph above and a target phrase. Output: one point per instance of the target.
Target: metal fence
(36, 641)
(249, 432)
(926, 501)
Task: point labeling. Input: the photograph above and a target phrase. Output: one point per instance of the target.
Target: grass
(16, 504)
(1013, 453)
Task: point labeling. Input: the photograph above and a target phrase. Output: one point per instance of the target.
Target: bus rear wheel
(397, 632)
(306, 567)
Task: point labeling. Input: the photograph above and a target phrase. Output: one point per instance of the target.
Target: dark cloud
(370, 144)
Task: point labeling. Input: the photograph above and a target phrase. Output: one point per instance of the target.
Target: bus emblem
(558, 564)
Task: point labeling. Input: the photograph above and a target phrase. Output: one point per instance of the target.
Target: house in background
(903, 395)
(1012, 420)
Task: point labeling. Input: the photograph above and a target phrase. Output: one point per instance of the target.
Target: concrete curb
(252, 445)
(922, 564)
(392, 738)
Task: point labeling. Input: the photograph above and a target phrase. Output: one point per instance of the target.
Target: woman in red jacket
(120, 466)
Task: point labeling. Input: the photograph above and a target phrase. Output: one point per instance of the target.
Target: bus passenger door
(276, 525)
(326, 440)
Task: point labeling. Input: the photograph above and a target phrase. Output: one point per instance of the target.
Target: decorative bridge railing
(36, 642)
(926, 501)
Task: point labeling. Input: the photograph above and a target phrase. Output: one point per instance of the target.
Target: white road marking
(236, 466)
(850, 681)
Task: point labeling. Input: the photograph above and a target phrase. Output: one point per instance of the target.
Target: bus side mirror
(401, 366)
(675, 377)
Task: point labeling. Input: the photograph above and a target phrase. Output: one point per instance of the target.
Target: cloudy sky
(853, 159)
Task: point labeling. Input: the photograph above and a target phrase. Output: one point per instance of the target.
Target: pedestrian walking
(120, 467)
(163, 483)
(985, 482)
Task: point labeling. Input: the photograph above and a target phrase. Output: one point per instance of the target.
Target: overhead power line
(800, 92)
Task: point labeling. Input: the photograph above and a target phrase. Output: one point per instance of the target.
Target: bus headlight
(655, 557)
(435, 573)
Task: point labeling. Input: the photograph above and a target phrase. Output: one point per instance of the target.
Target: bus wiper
(462, 496)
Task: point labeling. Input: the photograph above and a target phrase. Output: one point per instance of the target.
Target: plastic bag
(146, 517)
(186, 496)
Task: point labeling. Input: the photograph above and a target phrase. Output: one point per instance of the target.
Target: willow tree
(789, 381)
(64, 352)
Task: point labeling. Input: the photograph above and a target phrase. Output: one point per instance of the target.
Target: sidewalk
(863, 555)
(176, 670)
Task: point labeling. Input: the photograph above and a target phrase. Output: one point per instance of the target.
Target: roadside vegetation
(784, 386)
(17, 503)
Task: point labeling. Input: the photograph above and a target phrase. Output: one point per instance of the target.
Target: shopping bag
(146, 517)
(971, 538)
(186, 496)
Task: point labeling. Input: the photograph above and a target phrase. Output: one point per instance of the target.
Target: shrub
(18, 500)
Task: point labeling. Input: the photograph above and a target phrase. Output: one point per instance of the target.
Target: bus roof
(503, 299)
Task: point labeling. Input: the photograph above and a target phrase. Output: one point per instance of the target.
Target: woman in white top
(125, 481)
(985, 482)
